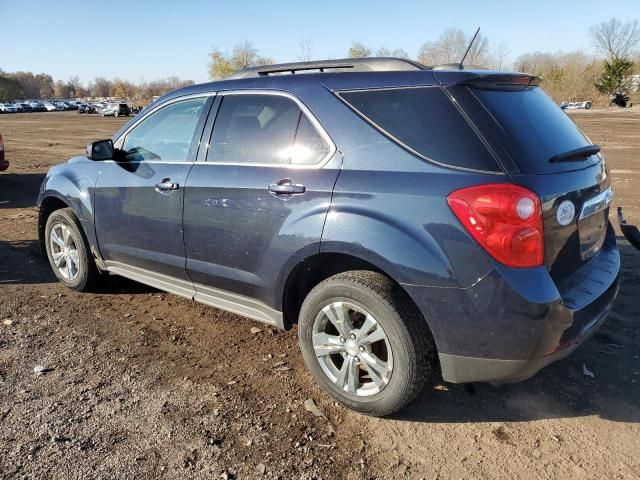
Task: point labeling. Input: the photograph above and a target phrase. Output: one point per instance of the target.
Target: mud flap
(630, 232)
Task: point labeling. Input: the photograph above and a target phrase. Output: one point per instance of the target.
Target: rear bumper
(512, 323)
(461, 369)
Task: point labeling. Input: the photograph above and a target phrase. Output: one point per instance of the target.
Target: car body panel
(137, 225)
(73, 183)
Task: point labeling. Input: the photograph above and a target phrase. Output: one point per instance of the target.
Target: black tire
(411, 342)
(587, 105)
(87, 271)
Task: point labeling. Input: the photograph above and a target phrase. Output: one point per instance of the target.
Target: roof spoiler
(523, 79)
(453, 76)
(368, 64)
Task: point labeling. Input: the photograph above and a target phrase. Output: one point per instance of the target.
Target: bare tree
(499, 56)
(306, 50)
(450, 47)
(100, 87)
(396, 52)
(244, 55)
(616, 39)
(358, 50)
(75, 86)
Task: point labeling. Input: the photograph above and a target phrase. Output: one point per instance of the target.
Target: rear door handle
(166, 186)
(285, 187)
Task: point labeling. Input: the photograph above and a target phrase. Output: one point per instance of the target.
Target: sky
(142, 40)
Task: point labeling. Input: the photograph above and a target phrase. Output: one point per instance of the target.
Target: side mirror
(100, 150)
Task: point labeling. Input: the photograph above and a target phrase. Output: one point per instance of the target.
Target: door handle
(166, 186)
(285, 187)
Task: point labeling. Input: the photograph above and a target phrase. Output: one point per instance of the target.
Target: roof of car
(349, 74)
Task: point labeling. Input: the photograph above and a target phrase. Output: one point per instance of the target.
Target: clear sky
(141, 40)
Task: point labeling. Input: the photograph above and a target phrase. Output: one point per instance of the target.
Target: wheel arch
(48, 205)
(318, 267)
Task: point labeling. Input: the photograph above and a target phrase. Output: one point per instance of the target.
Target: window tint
(537, 128)
(166, 134)
(424, 120)
(264, 129)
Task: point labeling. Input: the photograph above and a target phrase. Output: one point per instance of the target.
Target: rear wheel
(68, 251)
(364, 343)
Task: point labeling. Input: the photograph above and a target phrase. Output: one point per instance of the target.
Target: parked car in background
(3, 163)
(416, 223)
(26, 107)
(8, 108)
(49, 107)
(575, 105)
(116, 110)
(37, 106)
(87, 108)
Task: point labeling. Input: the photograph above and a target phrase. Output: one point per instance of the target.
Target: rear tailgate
(575, 192)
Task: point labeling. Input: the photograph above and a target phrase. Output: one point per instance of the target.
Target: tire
(116, 114)
(85, 275)
(587, 105)
(410, 365)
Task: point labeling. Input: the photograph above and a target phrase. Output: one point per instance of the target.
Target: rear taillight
(505, 219)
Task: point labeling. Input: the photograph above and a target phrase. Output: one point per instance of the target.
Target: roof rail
(367, 64)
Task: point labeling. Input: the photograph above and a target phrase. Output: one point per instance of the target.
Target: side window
(264, 129)
(426, 121)
(309, 147)
(166, 134)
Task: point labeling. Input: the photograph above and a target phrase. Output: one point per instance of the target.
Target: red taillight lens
(505, 219)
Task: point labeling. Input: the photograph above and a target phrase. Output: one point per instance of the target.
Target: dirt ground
(143, 384)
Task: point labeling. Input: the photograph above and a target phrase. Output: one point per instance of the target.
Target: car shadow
(22, 263)
(19, 190)
(601, 378)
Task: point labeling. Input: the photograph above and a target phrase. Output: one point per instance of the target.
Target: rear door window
(536, 128)
(424, 121)
(264, 130)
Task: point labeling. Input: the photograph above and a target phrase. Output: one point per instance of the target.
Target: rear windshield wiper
(576, 155)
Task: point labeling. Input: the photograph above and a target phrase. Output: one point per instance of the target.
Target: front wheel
(365, 344)
(68, 251)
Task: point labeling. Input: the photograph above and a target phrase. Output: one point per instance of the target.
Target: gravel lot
(143, 384)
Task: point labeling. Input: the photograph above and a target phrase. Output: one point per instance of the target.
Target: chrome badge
(566, 212)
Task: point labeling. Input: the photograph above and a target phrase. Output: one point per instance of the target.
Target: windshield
(536, 127)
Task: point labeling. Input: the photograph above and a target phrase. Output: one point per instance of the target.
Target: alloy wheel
(64, 251)
(352, 349)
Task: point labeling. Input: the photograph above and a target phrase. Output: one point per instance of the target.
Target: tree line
(27, 85)
(567, 76)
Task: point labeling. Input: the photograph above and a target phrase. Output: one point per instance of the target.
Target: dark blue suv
(414, 222)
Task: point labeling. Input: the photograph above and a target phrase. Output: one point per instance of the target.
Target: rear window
(536, 127)
(424, 121)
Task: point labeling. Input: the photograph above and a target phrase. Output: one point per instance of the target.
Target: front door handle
(166, 185)
(285, 187)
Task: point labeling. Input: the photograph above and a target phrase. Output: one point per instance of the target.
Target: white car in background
(575, 105)
(8, 108)
(50, 107)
